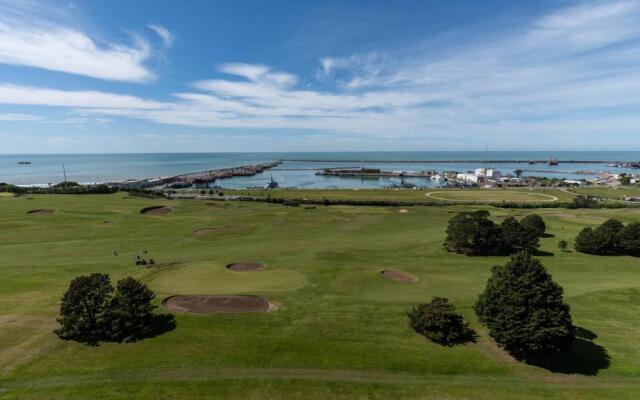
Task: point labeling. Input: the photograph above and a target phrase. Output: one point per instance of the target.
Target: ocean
(93, 168)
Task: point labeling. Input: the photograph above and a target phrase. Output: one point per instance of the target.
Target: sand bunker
(403, 211)
(156, 210)
(561, 215)
(42, 211)
(217, 304)
(213, 229)
(398, 276)
(242, 267)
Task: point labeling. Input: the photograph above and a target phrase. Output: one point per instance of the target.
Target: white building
(467, 177)
(488, 173)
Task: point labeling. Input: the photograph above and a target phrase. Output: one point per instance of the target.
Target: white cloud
(530, 86)
(13, 94)
(164, 33)
(30, 38)
(588, 26)
(19, 117)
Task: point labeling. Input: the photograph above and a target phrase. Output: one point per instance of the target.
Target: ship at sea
(24, 162)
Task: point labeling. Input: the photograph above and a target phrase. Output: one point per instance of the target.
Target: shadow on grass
(584, 358)
(542, 253)
(159, 324)
(547, 235)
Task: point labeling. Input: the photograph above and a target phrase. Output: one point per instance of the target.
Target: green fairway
(340, 330)
(615, 193)
(417, 195)
(491, 195)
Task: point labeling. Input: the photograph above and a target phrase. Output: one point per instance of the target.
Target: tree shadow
(584, 333)
(584, 358)
(158, 325)
(547, 235)
(542, 253)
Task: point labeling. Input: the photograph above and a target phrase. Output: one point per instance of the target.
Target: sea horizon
(106, 167)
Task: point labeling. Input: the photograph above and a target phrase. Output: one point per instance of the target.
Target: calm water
(88, 168)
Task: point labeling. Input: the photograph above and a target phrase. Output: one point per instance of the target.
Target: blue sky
(164, 76)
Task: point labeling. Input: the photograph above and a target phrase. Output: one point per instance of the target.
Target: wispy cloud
(573, 73)
(30, 37)
(164, 33)
(19, 117)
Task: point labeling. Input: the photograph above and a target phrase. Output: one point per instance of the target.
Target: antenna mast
(64, 172)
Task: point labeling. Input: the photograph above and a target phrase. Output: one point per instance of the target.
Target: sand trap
(156, 210)
(42, 211)
(398, 276)
(403, 211)
(595, 218)
(213, 229)
(561, 215)
(217, 304)
(242, 267)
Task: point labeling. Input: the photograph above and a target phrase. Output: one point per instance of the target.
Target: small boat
(553, 161)
(272, 184)
(24, 162)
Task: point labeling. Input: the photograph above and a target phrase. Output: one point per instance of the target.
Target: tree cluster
(473, 233)
(439, 322)
(610, 238)
(92, 310)
(524, 310)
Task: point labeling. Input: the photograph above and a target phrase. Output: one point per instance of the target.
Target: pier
(374, 172)
(198, 179)
(626, 164)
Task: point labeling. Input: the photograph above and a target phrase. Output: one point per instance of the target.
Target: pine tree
(534, 224)
(85, 308)
(516, 238)
(524, 309)
(131, 311)
(629, 239)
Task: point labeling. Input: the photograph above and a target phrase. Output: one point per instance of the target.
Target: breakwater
(477, 161)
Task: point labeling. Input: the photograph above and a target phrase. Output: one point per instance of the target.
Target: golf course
(327, 290)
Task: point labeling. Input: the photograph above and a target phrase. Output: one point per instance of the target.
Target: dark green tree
(534, 224)
(586, 241)
(131, 311)
(629, 239)
(524, 310)
(516, 238)
(604, 240)
(562, 245)
(472, 233)
(439, 322)
(85, 308)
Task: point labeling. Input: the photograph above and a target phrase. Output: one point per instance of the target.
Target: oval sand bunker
(156, 210)
(241, 267)
(398, 276)
(42, 211)
(216, 304)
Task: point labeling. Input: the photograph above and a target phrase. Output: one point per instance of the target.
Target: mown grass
(340, 330)
(411, 195)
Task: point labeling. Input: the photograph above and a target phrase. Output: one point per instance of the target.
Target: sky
(220, 76)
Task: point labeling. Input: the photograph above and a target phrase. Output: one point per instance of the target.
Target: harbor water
(299, 169)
